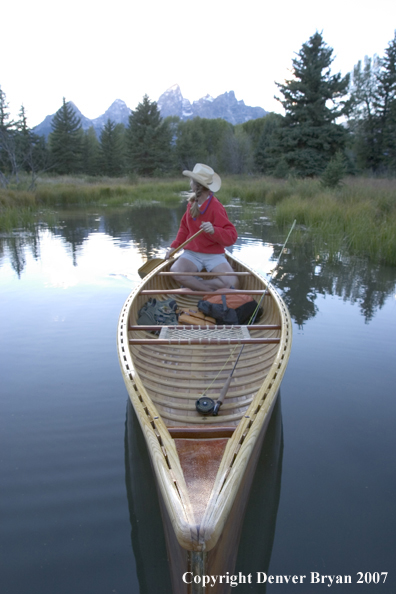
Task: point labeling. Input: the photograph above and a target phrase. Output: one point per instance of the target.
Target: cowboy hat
(204, 175)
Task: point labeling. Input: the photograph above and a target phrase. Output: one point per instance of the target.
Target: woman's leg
(184, 265)
(222, 282)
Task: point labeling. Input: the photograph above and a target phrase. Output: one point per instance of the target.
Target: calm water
(78, 507)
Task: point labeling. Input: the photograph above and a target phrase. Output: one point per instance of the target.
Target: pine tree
(6, 139)
(90, 152)
(23, 139)
(66, 140)
(148, 140)
(266, 157)
(4, 113)
(363, 121)
(373, 118)
(386, 107)
(112, 149)
(313, 101)
(190, 144)
(334, 172)
(202, 140)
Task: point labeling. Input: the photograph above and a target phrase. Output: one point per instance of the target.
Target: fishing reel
(207, 406)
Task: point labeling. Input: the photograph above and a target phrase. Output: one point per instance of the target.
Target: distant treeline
(332, 125)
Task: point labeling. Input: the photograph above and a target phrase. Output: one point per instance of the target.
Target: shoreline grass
(359, 217)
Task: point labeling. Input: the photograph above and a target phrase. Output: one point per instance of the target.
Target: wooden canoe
(203, 465)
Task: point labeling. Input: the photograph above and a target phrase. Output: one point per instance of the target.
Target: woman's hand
(169, 252)
(207, 227)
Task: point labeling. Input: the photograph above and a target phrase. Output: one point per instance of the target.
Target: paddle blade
(149, 266)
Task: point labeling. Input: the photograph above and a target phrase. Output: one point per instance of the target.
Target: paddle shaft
(151, 265)
(224, 390)
(186, 242)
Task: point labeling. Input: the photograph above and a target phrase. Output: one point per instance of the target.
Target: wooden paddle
(154, 262)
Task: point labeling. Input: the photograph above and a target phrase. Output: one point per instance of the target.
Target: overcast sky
(92, 53)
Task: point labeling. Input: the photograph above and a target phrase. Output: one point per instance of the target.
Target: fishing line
(216, 406)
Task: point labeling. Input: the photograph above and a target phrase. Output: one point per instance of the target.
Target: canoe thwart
(198, 327)
(182, 292)
(196, 341)
(234, 273)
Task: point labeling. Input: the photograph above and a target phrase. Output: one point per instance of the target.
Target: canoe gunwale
(161, 446)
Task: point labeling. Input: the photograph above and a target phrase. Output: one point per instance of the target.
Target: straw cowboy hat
(204, 175)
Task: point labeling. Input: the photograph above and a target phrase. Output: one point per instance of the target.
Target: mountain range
(170, 103)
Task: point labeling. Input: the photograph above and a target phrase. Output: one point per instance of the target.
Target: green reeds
(110, 194)
(359, 216)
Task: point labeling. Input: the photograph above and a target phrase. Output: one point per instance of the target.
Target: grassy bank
(360, 216)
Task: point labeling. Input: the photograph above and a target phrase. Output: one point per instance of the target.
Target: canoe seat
(201, 432)
(187, 333)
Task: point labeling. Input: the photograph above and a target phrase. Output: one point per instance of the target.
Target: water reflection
(260, 520)
(147, 534)
(301, 279)
(149, 226)
(301, 276)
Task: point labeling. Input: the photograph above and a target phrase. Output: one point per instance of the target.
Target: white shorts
(201, 260)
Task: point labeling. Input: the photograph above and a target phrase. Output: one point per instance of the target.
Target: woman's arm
(224, 231)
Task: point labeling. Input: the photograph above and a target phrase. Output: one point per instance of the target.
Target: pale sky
(92, 53)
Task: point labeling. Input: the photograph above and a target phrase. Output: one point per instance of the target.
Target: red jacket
(224, 234)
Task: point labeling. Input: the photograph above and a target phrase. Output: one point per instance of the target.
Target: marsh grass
(19, 207)
(359, 216)
(113, 192)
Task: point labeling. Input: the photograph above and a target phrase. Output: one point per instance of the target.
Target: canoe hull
(222, 558)
(203, 478)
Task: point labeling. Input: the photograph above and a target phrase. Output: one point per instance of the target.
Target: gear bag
(230, 309)
(158, 312)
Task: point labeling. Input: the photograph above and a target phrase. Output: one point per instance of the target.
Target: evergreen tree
(334, 172)
(373, 118)
(190, 144)
(4, 113)
(148, 140)
(90, 152)
(112, 151)
(214, 131)
(313, 101)
(201, 140)
(23, 140)
(6, 139)
(37, 158)
(265, 155)
(66, 140)
(385, 105)
(256, 128)
(363, 120)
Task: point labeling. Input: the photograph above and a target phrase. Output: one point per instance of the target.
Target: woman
(205, 212)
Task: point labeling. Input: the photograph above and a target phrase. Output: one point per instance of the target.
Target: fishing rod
(206, 405)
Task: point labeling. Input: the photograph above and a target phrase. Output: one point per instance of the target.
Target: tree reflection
(148, 226)
(15, 248)
(301, 275)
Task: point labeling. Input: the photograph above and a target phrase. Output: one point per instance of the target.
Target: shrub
(334, 172)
